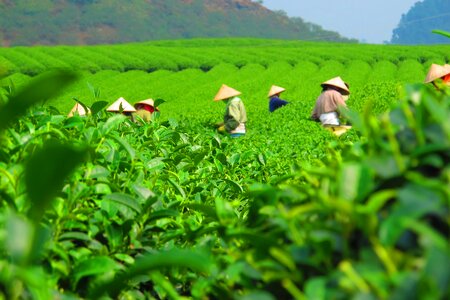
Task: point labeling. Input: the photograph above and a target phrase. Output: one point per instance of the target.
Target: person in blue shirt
(274, 98)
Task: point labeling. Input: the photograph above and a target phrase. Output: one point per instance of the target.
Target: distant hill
(81, 22)
(416, 26)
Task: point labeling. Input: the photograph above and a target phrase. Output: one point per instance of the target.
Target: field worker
(121, 104)
(79, 110)
(446, 78)
(145, 109)
(274, 98)
(437, 73)
(235, 115)
(334, 94)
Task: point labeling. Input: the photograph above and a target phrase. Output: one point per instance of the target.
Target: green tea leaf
(125, 145)
(45, 173)
(164, 213)
(442, 32)
(113, 123)
(158, 102)
(94, 266)
(177, 187)
(19, 238)
(124, 199)
(98, 106)
(258, 295)
(356, 181)
(175, 258)
(75, 236)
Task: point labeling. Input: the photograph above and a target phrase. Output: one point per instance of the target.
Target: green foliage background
(100, 206)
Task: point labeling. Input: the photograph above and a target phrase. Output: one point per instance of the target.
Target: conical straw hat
(150, 102)
(115, 107)
(337, 82)
(436, 72)
(78, 109)
(226, 92)
(447, 67)
(275, 90)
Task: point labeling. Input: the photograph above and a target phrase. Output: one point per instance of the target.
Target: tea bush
(99, 206)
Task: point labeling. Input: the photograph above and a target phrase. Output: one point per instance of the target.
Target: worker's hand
(221, 128)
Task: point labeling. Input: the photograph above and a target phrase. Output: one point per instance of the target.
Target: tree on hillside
(49, 22)
(416, 26)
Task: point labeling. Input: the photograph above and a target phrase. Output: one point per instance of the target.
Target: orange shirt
(446, 79)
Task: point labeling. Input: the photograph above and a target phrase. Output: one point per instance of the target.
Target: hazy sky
(369, 20)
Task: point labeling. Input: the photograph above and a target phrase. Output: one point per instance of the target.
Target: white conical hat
(226, 92)
(436, 72)
(337, 82)
(275, 90)
(447, 67)
(78, 109)
(150, 102)
(115, 107)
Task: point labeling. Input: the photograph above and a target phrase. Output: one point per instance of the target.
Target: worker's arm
(279, 102)
(340, 104)
(232, 117)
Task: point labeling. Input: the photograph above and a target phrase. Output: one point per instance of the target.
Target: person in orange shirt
(447, 77)
(438, 73)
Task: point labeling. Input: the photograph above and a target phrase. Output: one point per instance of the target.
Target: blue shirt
(276, 103)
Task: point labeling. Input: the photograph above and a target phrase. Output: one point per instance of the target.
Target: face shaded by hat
(337, 82)
(275, 90)
(148, 105)
(226, 92)
(126, 107)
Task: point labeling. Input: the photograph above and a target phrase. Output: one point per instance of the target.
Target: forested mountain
(416, 26)
(49, 22)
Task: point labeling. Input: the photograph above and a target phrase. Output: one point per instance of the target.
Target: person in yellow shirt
(235, 115)
(145, 109)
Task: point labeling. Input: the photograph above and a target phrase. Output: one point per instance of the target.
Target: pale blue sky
(369, 20)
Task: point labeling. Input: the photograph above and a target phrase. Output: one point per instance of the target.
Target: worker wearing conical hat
(332, 99)
(235, 115)
(79, 110)
(121, 105)
(447, 77)
(145, 109)
(438, 72)
(274, 98)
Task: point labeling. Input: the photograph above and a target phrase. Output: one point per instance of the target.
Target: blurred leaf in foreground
(39, 89)
(442, 32)
(194, 260)
(45, 174)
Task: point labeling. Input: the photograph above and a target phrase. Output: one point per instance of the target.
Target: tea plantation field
(102, 207)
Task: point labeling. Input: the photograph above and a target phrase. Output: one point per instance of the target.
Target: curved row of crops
(205, 54)
(100, 206)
